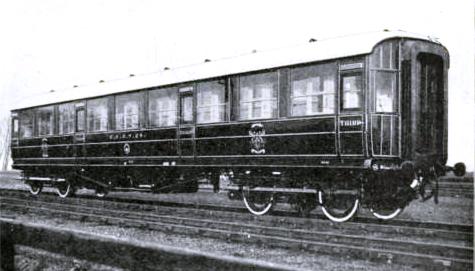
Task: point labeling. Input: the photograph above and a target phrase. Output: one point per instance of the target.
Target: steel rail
(309, 235)
(361, 224)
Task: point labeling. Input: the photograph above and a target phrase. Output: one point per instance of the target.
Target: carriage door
(186, 126)
(79, 133)
(350, 119)
(431, 105)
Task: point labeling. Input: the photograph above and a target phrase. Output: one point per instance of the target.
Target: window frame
(58, 117)
(140, 113)
(32, 119)
(395, 102)
(239, 102)
(38, 120)
(349, 73)
(78, 109)
(226, 103)
(108, 127)
(377, 57)
(186, 92)
(15, 123)
(149, 104)
(322, 94)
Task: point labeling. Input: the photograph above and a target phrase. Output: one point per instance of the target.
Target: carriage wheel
(304, 204)
(338, 206)
(35, 188)
(390, 203)
(101, 192)
(64, 189)
(389, 196)
(386, 214)
(387, 209)
(258, 203)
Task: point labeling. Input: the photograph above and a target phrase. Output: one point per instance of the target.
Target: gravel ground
(293, 258)
(36, 259)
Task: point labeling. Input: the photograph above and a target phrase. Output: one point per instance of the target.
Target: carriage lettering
(351, 122)
(136, 135)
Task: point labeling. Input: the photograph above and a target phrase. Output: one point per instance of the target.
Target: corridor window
(45, 120)
(352, 91)
(162, 107)
(128, 110)
(26, 123)
(97, 115)
(384, 86)
(313, 90)
(66, 118)
(211, 102)
(258, 96)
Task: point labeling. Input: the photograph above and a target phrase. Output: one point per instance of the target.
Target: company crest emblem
(257, 140)
(126, 149)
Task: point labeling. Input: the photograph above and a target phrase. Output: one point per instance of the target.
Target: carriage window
(26, 123)
(258, 96)
(45, 120)
(80, 119)
(97, 115)
(352, 91)
(313, 90)
(128, 109)
(211, 102)
(162, 107)
(384, 56)
(186, 115)
(384, 85)
(15, 127)
(66, 118)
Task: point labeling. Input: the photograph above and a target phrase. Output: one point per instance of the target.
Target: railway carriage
(339, 123)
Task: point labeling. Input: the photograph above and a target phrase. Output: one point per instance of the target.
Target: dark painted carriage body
(289, 149)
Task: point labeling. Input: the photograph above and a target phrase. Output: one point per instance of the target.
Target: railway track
(456, 189)
(400, 242)
(289, 218)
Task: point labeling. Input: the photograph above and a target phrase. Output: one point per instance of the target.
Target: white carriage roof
(319, 50)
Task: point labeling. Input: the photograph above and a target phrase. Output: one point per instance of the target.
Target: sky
(55, 44)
